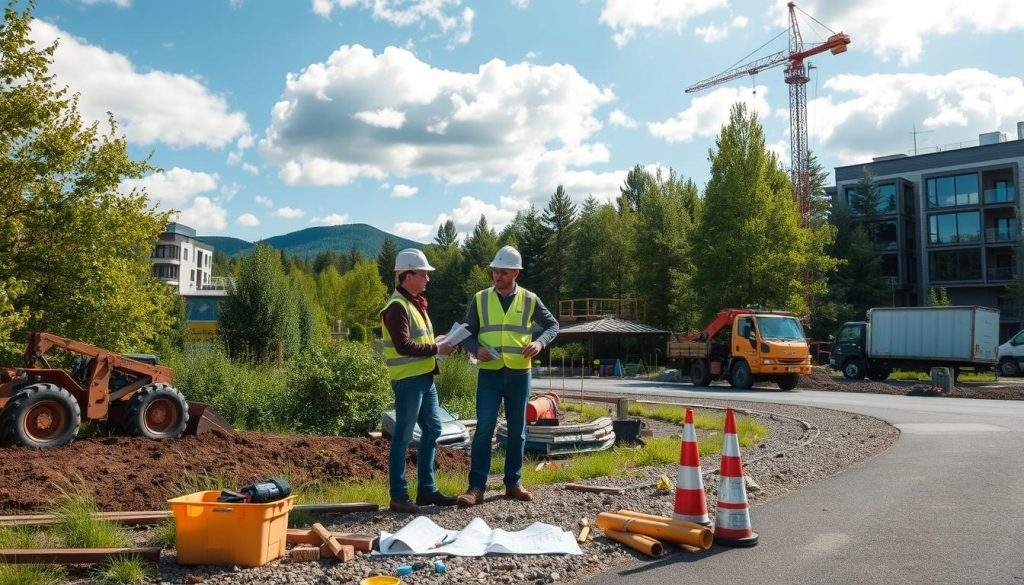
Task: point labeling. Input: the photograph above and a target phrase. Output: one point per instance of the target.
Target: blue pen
(448, 539)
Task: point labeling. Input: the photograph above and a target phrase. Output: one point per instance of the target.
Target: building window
(952, 191)
(163, 251)
(185, 251)
(167, 271)
(886, 200)
(954, 228)
(890, 265)
(883, 235)
(954, 265)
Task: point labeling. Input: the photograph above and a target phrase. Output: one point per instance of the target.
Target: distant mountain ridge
(309, 242)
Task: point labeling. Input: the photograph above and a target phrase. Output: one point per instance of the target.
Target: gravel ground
(804, 445)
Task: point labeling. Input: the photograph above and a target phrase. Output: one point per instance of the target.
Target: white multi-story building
(184, 262)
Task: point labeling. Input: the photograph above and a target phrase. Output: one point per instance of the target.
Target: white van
(1011, 356)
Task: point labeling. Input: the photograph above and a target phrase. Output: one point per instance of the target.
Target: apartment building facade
(185, 263)
(949, 219)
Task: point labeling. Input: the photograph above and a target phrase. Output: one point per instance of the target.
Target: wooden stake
(585, 532)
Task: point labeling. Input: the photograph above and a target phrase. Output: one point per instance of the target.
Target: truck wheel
(879, 374)
(741, 376)
(788, 382)
(156, 411)
(699, 373)
(40, 416)
(1009, 367)
(854, 369)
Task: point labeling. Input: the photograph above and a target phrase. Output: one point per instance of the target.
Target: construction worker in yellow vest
(501, 320)
(409, 351)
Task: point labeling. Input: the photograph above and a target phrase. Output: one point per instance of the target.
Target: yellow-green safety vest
(420, 331)
(506, 332)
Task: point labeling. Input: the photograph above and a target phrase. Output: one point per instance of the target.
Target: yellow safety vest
(420, 331)
(506, 332)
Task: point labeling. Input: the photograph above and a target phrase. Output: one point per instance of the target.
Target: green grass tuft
(123, 570)
(78, 527)
(590, 412)
(24, 537)
(165, 534)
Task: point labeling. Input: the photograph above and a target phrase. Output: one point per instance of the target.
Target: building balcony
(1002, 234)
(1000, 273)
(216, 283)
(1004, 194)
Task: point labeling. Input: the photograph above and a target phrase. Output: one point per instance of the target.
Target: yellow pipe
(696, 536)
(637, 542)
(663, 519)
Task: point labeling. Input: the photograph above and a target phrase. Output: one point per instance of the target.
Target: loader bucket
(203, 418)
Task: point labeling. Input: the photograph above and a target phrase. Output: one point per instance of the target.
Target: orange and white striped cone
(691, 502)
(732, 520)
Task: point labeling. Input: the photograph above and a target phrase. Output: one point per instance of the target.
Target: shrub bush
(357, 332)
(249, 396)
(456, 385)
(338, 389)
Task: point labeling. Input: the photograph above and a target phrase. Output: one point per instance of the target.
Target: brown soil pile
(131, 473)
(820, 379)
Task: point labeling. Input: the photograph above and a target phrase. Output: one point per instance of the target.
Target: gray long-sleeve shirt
(542, 319)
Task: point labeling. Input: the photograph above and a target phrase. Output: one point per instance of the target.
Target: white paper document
(456, 335)
(422, 536)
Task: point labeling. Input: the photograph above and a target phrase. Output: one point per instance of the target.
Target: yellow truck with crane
(745, 346)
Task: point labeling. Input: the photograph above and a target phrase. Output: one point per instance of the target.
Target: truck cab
(1011, 354)
(849, 350)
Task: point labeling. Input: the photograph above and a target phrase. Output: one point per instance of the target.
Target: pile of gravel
(804, 444)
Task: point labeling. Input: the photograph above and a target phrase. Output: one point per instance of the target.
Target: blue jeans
(493, 386)
(415, 401)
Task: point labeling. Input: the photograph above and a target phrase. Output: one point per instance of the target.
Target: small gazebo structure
(608, 328)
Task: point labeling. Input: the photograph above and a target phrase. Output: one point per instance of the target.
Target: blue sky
(269, 116)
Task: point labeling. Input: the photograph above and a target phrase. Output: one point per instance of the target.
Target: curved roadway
(943, 505)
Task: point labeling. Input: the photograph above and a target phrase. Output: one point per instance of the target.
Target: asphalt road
(944, 505)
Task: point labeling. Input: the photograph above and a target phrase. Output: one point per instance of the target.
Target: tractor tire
(1009, 367)
(156, 411)
(700, 375)
(854, 369)
(741, 377)
(40, 416)
(788, 382)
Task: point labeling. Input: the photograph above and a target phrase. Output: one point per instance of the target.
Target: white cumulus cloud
(404, 191)
(382, 118)
(204, 214)
(872, 115)
(709, 112)
(247, 220)
(332, 219)
(264, 201)
(903, 29)
(620, 118)
(503, 120)
(174, 188)
(454, 21)
(151, 106)
(627, 17)
(289, 212)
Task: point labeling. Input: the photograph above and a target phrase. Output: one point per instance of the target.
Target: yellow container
(209, 532)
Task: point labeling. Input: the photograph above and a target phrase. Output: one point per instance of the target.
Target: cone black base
(745, 542)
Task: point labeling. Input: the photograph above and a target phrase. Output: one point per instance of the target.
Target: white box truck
(917, 339)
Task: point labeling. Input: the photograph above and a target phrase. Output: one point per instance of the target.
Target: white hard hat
(411, 259)
(508, 257)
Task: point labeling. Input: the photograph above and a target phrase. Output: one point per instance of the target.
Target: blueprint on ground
(422, 536)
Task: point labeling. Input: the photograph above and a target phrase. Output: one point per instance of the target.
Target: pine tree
(447, 235)
(480, 247)
(386, 260)
(528, 235)
(558, 219)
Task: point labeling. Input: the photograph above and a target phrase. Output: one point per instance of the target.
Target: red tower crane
(797, 78)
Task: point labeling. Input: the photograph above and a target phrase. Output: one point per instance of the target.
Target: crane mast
(796, 77)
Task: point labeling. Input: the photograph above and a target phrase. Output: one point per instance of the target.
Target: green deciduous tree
(75, 248)
(363, 294)
(748, 247)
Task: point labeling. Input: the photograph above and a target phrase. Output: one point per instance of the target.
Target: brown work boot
(472, 497)
(516, 492)
(404, 506)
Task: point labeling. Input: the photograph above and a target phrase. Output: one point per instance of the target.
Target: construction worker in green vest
(409, 351)
(501, 321)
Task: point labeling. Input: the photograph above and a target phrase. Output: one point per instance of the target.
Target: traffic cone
(732, 520)
(691, 502)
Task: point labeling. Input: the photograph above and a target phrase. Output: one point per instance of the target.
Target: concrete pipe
(696, 535)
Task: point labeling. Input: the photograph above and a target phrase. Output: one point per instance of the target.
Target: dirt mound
(818, 380)
(131, 473)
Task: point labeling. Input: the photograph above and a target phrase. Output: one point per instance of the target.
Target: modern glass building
(949, 219)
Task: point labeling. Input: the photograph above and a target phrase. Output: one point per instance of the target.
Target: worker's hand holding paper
(447, 343)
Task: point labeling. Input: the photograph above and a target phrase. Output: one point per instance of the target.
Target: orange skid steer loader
(42, 407)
